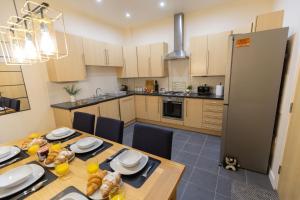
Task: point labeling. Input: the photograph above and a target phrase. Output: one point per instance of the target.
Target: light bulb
(18, 52)
(29, 48)
(46, 42)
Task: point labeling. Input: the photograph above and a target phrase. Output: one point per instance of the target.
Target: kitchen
(136, 59)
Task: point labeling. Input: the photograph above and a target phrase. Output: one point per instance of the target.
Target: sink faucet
(98, 89)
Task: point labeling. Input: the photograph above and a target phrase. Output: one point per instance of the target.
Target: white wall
(41, 92)
(230, 16)
(291, 19)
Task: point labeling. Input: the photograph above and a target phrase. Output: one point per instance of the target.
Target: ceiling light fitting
(32, 38)
(162, 4)
(128, 15)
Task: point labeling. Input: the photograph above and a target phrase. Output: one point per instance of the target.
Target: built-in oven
(173, 108)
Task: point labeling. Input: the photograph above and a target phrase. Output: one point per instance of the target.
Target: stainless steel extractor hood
(178, 52)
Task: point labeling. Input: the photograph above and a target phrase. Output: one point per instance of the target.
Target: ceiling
(142, 11)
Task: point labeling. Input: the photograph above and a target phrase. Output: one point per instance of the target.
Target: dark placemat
(49, 176)
(64, 139)
(66, 191)
(88, 155)
(135, 180)
(22, 155)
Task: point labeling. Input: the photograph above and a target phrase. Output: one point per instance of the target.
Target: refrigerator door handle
(228, 70)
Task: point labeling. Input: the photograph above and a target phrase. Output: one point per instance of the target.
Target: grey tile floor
(203, 179)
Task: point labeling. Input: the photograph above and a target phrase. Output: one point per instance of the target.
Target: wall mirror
(13, 93)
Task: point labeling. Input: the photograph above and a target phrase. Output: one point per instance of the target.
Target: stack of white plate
(60, 133)
(129, 162)
(86, 145)
(8, 152)
(15, 180)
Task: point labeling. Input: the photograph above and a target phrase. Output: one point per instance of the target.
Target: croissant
(110, 182)
(63, 156)
(94, 183)
(51, 157)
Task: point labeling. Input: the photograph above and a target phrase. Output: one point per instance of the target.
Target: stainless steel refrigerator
(252, 86)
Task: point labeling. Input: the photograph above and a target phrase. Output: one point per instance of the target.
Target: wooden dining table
(161, 185)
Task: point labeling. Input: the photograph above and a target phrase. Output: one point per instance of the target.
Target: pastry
(64, 156)
(51, 157)
(43, 152)
(110, 182)
(28, 143)
(94, 182)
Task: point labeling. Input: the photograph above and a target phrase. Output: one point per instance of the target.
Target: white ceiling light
(162, 4)
(98, 1)
(127, 14)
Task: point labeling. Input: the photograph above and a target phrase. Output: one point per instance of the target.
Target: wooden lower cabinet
(153, 108)
(213, 115)
(140, 107)
(193, 112)
(110, 109)
(127, 109)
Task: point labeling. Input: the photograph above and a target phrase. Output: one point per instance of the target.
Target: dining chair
(84, 122)
(111, 129)
(5, 102)
(15, 104)
(153, 140)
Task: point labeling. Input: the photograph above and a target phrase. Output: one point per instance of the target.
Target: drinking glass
(92, 166)
(33, 149)
(62, 169)
(119, 194)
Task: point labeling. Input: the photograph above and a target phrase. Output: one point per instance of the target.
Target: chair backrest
(110, 129)
(15, 104)
(153, 140)
(5, 102)
(84, 122)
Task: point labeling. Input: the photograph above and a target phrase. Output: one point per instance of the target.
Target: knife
(10, 162)
(115, 155)
(96, 152)
(145, 174)
(34, 188)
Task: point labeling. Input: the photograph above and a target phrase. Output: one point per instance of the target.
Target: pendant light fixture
(32, 38)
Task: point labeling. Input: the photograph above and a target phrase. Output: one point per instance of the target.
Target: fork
(34, 188)
(145, 174)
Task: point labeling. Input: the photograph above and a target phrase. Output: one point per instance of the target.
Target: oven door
(172, 109)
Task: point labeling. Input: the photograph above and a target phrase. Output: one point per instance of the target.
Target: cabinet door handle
(186, 105)
(207, 62)
(149, 66)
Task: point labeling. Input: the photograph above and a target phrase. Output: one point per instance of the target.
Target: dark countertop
(94, 101)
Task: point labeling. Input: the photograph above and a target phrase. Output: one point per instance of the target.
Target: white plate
(76, 149)
(15, 176)
(118, 167)
(13, 152)
(52, 165)
(73, 196)
(130, 158)
(50, 135)
(37, 173)
(86, 143)
(4, 151)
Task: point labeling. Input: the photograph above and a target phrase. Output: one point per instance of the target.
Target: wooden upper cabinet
(153, 108)
(143, 60)
(114, 55)
(127, 109)
(72, 67)
(157, 62)
(269, 21)
(193, 112)
(218, 47)
(94, 52)
(110, 109)
(199, 55)
(130, 69)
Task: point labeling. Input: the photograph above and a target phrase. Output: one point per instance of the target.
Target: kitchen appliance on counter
(124, 88)
(249, 113)
(173, 108)
(204, 90)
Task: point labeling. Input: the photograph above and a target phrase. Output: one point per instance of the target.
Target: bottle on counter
(156, 86)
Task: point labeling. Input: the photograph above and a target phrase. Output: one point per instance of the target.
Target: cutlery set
(10, 162)
(33, 189)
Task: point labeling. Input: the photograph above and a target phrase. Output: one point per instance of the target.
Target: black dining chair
(15, 104)
(111, 129)
(5, 102)
(153, 140)
(84, 122)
